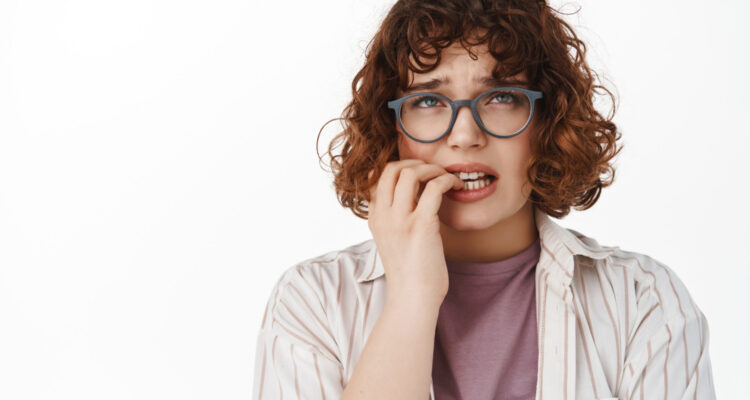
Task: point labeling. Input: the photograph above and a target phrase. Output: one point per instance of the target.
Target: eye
(432, 100)
(505, 97)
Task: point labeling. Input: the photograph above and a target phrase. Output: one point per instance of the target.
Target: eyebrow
(486, 81)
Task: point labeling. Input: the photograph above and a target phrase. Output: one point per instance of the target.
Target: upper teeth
(469, 175)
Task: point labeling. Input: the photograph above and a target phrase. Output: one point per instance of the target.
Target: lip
(472, 167)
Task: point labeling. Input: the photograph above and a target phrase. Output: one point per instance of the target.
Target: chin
(468, 219)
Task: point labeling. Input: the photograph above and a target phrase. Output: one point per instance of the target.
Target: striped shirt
(612, 324)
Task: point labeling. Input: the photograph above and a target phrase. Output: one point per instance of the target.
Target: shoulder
(660, 329)
(643, 299)
(646, 288)
(320, 280)
(655, 284)
(333, 268)
(301, 308)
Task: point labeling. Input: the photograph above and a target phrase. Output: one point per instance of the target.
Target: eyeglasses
(502, 112)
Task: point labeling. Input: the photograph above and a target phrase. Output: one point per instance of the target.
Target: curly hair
(571, 154)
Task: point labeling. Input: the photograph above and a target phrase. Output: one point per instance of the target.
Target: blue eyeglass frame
(532, 95)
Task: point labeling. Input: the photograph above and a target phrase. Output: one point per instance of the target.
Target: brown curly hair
(570, 155)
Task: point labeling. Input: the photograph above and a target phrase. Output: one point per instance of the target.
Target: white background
(158, 173)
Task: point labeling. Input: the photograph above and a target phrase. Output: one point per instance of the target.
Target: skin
(501, 225)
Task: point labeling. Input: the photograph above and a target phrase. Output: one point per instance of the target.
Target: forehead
(456, 53)
(455, 49)
(456, 59)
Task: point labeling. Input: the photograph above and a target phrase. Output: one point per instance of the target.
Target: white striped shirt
(612, 324)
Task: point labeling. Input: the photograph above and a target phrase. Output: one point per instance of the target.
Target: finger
(432, 196)
(387, 180)
(409, 181)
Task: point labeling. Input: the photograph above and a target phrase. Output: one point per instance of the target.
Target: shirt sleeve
(296, 354)
(669, 358)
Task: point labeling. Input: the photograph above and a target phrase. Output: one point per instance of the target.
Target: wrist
(414, 299)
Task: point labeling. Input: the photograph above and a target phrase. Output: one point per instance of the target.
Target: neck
(495, 243)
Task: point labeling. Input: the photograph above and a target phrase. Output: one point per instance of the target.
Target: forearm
(396, 362)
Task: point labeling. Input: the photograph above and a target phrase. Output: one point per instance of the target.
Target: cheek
(403, 147)
(516, 167)
(409, 149)
(513, 162)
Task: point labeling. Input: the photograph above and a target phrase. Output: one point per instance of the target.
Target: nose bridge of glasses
(462, 103)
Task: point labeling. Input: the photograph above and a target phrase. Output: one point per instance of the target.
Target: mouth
(474, 174)
(475, 180)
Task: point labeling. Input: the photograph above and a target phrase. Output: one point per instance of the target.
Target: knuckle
(434, 182)
(408, 173)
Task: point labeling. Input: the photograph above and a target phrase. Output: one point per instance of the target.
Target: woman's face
(467, 142)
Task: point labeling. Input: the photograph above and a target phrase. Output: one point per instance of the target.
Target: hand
(406, 228)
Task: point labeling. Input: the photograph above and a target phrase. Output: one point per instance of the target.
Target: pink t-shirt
(486, 336)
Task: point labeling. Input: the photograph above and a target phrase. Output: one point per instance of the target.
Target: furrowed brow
(435, 83)
(428, 85)
(492, 81)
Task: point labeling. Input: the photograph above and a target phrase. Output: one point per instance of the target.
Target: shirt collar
(559, 246)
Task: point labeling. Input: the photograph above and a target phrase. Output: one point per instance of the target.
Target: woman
(472, 123)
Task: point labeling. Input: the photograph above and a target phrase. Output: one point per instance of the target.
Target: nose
(466, 133)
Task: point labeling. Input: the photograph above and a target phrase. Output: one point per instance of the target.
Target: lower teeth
(478, 184)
